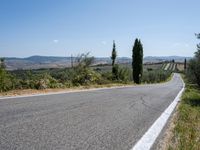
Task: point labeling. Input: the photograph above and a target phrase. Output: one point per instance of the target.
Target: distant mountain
(38, 59)
(36, 62)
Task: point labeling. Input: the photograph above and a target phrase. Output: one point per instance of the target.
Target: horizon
(96, 56)
(65, 28)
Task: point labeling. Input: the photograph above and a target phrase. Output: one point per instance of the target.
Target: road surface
(106, 119)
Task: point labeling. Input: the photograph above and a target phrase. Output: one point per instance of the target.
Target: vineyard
(168, 66)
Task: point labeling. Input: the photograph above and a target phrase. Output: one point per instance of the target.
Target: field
(167, 66)
(172, 67)
(84, 76)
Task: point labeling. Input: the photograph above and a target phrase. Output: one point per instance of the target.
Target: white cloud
(176, 44)
(187, 45)
(103, 42)
(180, 45)
(55, 41)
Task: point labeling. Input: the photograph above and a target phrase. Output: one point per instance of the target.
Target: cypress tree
(2, 63)
(185, 63)
(114, 54)
(114, 66)
(137, 61)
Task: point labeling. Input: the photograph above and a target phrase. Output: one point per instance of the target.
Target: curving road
(105, 119)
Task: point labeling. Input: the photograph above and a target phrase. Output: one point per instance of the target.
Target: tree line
(193, 68)
(83, 73)
(137, 61)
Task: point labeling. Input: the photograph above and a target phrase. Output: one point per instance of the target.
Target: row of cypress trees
(137, 60)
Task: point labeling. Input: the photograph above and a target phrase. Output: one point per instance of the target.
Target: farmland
(81, 75)
(167, 66)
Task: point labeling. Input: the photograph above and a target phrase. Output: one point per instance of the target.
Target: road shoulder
(166, 134)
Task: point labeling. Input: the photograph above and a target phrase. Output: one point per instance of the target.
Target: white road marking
(150, 136)
(148, 139)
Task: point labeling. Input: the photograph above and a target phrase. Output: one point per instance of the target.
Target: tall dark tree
(197, 53)
(137, 61)
(185, 64)
(115, 67)
(114, 54)
(2, 63)
(193, 70)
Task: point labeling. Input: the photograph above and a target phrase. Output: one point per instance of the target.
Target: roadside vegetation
(186, 134)
(79, 75)
(155, 76)
(137, 61)
(84, 73)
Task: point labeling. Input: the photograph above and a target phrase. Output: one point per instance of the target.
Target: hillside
(36, 62)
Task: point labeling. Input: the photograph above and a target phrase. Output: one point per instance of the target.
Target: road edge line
(148, 139)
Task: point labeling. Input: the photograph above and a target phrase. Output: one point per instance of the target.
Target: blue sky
(65, 27)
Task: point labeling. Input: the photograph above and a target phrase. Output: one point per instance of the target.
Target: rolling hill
(36, 62)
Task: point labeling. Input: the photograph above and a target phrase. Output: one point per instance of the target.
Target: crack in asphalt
(150, 107)
(113, 119)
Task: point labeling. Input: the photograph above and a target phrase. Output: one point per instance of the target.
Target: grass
(108, 67)
(186, 134)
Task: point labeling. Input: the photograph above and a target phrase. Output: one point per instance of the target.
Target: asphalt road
(106, 119)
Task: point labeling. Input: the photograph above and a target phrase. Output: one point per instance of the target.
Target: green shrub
(5, 80)
(47, 81)
(121, 74)
(115, 72)
(107, 75)
(85, 76)
(68, 84)
(193, 71)
(155, 76)
(124, 74)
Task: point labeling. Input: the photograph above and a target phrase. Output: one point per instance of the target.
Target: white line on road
(148, 139)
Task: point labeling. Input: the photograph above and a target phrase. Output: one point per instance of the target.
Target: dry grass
(180, 67)
(163, 144)
(79, 88)
(186, 133)
(54, 90)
